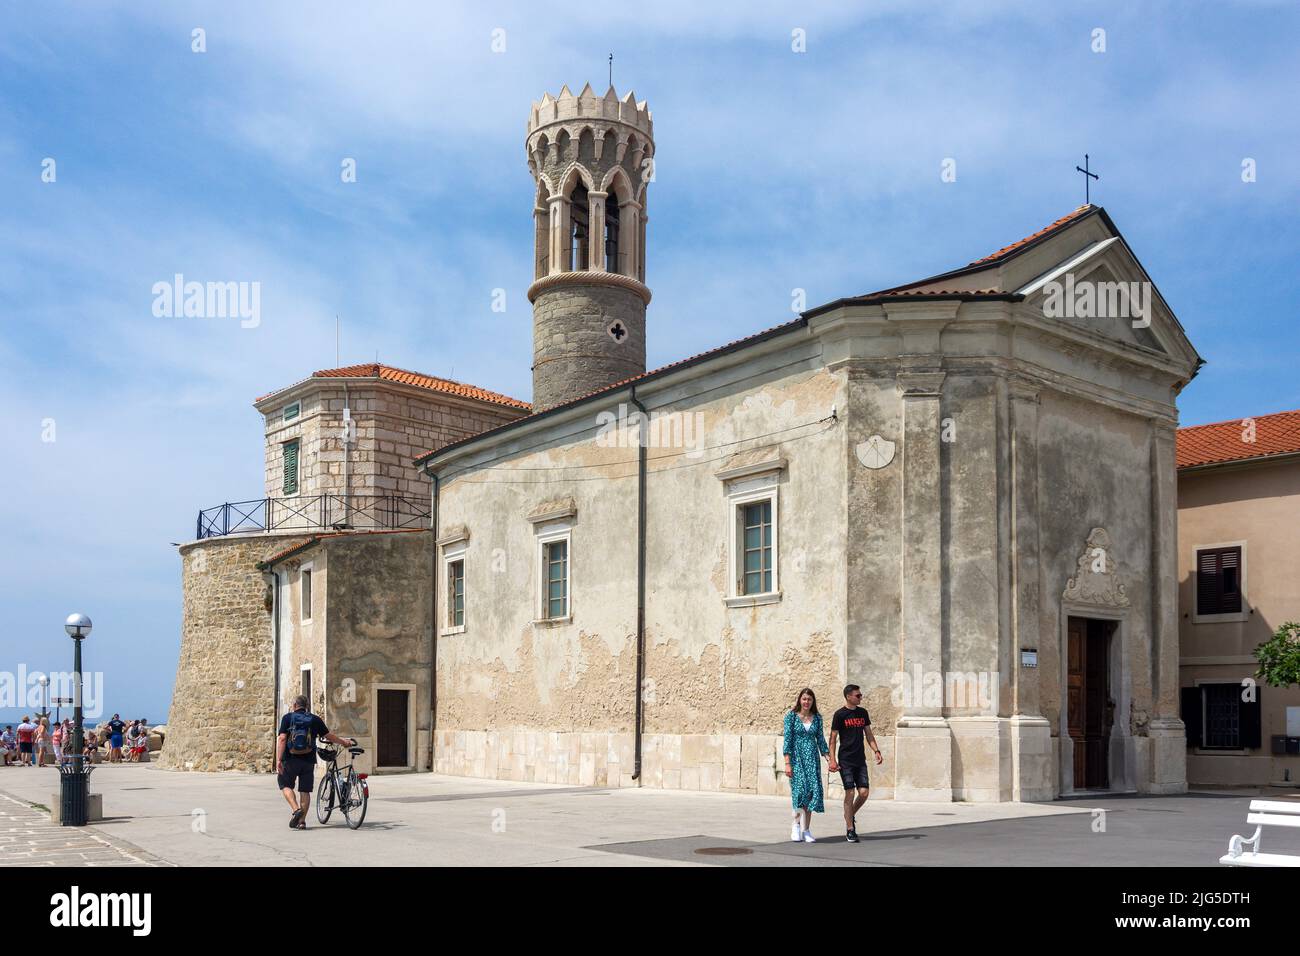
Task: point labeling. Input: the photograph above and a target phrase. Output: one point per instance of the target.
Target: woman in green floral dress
(804, 744)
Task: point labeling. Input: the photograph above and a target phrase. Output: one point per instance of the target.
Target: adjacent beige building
(1239, 580)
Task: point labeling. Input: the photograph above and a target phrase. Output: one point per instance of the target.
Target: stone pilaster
(1032, 766)
(596, 234)
(1166, 730)
(924, 739)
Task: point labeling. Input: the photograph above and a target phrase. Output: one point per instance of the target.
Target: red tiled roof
(1277, 434)
(316, 539)
(389, 374)
(1040, 234)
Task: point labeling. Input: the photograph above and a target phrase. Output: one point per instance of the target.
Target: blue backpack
(300, 738)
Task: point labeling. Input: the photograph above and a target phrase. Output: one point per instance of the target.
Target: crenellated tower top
(592, 158)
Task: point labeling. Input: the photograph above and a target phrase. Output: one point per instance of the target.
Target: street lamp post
(74, 774)
(45, 696)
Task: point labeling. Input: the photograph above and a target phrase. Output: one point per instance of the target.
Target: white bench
(1263, 813)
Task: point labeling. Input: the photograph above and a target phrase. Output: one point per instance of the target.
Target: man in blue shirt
(295, 757)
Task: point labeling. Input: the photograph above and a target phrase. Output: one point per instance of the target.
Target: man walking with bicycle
(295, 757)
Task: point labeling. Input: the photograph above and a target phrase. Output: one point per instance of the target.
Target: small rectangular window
(306, 594)
(555, 577)
(291, 411)
(456, 593)
(1218, 581)
(756, 548)
(289, 457)
(306, 683)
(1221, 708)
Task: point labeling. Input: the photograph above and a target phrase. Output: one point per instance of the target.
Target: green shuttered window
(290, 456)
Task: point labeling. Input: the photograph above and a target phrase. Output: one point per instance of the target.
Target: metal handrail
(313, 512)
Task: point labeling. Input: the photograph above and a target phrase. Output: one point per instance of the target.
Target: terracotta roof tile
(1277, 434)
(389, 374)
(1041, 233)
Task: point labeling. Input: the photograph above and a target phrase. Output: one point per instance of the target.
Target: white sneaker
(796, 834)
(808, 837)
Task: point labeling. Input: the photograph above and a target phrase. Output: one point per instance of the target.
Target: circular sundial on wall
(875, 452)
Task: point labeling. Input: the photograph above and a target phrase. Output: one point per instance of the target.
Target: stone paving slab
(29, 838)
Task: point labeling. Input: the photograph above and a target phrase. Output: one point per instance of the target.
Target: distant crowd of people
(36, 744)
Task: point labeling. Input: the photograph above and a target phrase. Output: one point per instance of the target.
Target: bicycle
(349, 791)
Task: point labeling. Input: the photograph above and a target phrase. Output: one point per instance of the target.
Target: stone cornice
(588, 278)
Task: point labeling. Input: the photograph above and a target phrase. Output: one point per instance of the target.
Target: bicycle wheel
(354, 807)
(325, 798)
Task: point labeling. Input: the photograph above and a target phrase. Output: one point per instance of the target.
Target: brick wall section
(573, 354)
(222, 715)
(395, 424)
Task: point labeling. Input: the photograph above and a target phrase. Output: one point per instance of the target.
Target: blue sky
(775, 170)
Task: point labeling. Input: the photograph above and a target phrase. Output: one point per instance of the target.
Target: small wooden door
(1089, 711)
(392, 729)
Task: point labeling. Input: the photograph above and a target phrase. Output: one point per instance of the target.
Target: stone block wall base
(981, 748)
(924, 752)
(1033, 759)
(1167, 744)
(94, 808)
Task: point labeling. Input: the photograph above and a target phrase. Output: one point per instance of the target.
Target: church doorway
(1090, 706)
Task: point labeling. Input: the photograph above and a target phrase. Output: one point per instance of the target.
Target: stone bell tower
(591, 157)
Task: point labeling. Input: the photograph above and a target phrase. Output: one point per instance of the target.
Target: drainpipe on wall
(433, 621)
(274, 583)
(640, 579)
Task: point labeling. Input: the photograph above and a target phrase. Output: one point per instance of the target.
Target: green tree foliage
(1279, 657)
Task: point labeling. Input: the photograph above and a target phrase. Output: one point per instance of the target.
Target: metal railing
(314, 513)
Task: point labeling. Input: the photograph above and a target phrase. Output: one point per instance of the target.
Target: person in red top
(26, 734)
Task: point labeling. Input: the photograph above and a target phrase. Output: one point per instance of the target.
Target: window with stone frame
(456, 593)
(555, 579)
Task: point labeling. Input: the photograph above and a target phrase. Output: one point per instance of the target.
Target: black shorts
(25, 747)
(854, 777)
(300, 769)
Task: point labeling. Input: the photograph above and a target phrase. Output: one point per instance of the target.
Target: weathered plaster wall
(556, 702)
(1095, 472)
(380, 632)
(223, 714)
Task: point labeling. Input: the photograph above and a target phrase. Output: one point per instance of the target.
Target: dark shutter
(1191, 712)
(1207, 582)
(1218, 581)
(1252, 721)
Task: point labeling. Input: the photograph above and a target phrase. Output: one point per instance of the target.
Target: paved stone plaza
(234, 819)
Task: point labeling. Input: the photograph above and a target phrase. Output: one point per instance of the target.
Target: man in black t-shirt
(851, 727)
(115, 728)
(295, 757)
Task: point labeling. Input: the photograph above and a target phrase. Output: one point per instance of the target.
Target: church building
(959, 493)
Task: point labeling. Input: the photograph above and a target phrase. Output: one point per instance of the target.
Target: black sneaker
(851, 836)
(296, 819)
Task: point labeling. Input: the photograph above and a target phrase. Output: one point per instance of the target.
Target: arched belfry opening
(579, 228)
(611, 234)
(588, 154)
